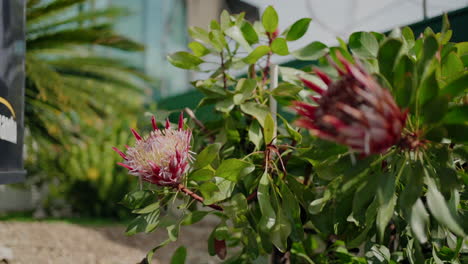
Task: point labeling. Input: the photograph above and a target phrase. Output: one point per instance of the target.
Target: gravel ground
(59, 242)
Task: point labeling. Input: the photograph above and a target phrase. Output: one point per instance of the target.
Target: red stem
(195, 196)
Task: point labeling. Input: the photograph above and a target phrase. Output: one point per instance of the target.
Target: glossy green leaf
(207, 155)
(434, 110)
(225, 20)
(256, 54)
(364, 44)
(199, 34)
(268, 219)
(285, 89)
(403, 81)
(280, 47)
(387, 56)
(256, 110)
(428, 89)
(234, 169)
(456, 87)
(451, 65)
(194, 217)
(387, 200)
(179, 255)
(249, 33)
(217, 40)
(198, 49)
(244, 90)
(292, 211)
(430, 48)
(184, 60)
(236, 34)
(419, 221)
(281, 231)
(202, 175)
(295, 135)
(298, 29)
(457, 115)
(143, 223)
(269, 129)
(270, 19)
(408, 36)
(147, 209)
(255, 135)
(225, 105)
(439, 208)
(313, 51)
(137, 199)
(457, 133)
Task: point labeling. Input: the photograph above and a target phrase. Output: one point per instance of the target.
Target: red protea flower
(355, 111)
(162, 158)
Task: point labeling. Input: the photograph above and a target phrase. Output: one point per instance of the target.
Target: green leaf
(202, 175)
(281, 231)
(207, 155)
(209, 191)
(387, 56)
(255, 134)
(256, 54)
(285, 89)
(179, 255)
(148, 209)
(268, 219)
(270, 19)
(434, 110)
(225, 20)
(184, 60)
(194, 217)
(298, 29)
(225, 105)
(199, 34)
(256, 110)
(234, 169)
(456, 87)
(143, 223)
(292, 211)
(419, 221)
(249, 33)
(387, 200)
(244, 90)
(280, 47)
(137, 199)
(296, 136)
(451, 65)
(430, 48)
(458, 133)
(403, 81)
(364, 44)
(269, 129)
(457, 115)
(217, 40)
(198, 49)
(313, 51)
(439, 208)
(236, 34)
(428, 89)
(408, 36)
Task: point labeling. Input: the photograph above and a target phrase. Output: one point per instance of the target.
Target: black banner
(12, 51)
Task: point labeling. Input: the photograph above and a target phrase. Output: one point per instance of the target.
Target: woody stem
(195, 196)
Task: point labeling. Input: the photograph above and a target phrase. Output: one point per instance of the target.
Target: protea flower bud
(162, 158)
(354, 110)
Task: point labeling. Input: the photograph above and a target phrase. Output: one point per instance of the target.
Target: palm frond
(95, 35)
(35, 13)
(83, 17)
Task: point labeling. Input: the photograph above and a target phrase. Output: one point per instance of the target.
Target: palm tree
(67, 81)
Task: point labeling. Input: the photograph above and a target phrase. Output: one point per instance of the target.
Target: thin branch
(195, 196)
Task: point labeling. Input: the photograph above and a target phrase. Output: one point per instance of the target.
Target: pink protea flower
(161, 158)
(355, 111)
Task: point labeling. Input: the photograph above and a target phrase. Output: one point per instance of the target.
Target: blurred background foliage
(77, 102)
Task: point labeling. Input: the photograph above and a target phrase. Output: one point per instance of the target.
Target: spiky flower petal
(161, 158)
(354, 110)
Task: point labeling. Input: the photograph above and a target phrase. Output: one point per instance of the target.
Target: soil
(59, 242)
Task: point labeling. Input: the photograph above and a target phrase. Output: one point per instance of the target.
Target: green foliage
(72, 92)
(285, 193)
